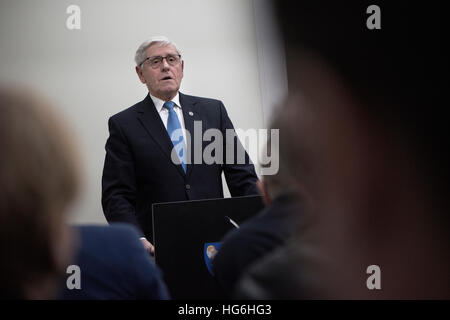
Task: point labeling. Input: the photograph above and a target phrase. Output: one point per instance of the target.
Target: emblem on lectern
(210, 250)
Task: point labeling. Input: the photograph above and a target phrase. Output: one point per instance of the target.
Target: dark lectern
(186, 236)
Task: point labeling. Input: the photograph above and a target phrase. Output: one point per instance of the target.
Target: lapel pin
(191, 113)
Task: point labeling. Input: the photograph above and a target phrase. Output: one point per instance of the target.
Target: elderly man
(140, 167)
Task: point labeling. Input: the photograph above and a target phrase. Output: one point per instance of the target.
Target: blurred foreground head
(369, 136)
(38, 180)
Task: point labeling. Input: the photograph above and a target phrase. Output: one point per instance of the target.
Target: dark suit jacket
(114, 265)
(138, 169)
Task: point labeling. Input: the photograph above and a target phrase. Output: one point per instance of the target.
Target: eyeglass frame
(162, 59)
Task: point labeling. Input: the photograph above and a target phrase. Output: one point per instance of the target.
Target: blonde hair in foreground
(39, 178)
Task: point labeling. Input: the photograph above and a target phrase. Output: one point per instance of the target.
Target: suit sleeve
(118, 180)
(240, 175)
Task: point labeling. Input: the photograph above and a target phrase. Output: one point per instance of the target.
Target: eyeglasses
(155, 62)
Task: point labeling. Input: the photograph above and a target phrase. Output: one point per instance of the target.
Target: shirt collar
(159, 103)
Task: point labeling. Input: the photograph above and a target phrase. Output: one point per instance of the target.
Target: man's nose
(164, 64)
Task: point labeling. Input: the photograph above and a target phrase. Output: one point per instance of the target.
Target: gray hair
(140, 55)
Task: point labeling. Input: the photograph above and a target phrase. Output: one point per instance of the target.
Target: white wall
(89, 73)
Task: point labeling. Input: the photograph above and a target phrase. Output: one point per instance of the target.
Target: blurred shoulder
(120, 233)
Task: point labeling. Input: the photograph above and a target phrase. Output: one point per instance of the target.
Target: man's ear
(262, 188)
(182, 67)
(139, 73)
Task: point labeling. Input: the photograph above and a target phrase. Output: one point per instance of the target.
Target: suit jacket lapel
(153, 124)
